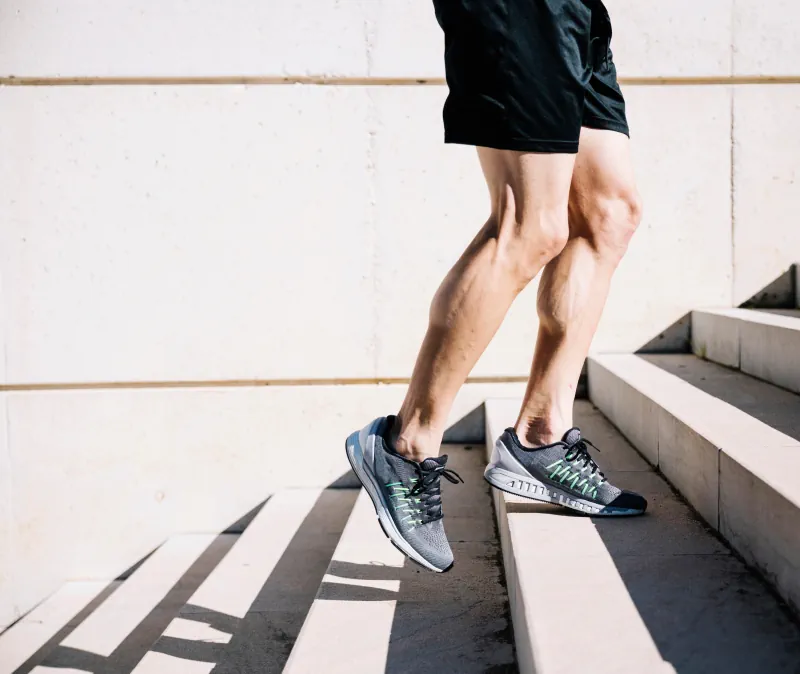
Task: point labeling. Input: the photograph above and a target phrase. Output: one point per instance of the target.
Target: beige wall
(171, 232)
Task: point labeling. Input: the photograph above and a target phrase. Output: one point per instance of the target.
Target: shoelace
(579, 452)
(428, 488)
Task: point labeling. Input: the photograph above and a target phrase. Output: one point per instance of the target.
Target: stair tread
(376, 611)
(108, 626)
(639, 583)
(239, 568)
(29, 634)
(230, 590)
(344, 635)
(691, 389)
(770, 404)
(762, 343)
(234, 584)
(162, 663)
(781, 318)
(737, 471)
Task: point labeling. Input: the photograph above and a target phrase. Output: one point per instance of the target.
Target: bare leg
(526, 229)
(604, 211)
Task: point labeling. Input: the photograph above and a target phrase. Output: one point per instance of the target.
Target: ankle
(414, 442)
(539, 431)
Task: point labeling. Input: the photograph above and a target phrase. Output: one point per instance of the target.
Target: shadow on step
(677, 338)
(779, 295)
(260, 642)
(452, 623)
(705, 611)
(782, 293)
(135, 645)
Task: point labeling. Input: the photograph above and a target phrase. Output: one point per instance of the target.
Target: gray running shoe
(563, 473)
(406, 494)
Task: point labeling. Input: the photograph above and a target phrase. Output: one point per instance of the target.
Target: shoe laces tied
(427, 487)
(579, 453)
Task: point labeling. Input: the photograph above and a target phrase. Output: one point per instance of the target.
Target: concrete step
(113, 633)
(657, 593)
(378, 612)
(352, 635)
(185, 604)
(23, 639)
(205, 633)
(106, 638)
(103, 631)
(762, 343)
(738, 472)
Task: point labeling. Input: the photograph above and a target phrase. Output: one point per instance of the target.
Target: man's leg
(604, 211)
(527, 228)
(544, 458)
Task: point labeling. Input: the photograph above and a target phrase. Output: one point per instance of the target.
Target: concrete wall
(170, 235)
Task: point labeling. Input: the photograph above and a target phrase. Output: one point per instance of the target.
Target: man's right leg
(395, 457)
(527, 228)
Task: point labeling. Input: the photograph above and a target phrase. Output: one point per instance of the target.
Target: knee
(611, 222)
(529, 240)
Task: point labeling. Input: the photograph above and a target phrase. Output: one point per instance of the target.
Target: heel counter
(503, 456)
(366, 441)
(495, 459)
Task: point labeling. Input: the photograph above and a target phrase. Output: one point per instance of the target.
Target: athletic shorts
(528, 74)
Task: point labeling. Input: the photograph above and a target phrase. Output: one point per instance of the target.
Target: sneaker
(563, 473)
(406, 494)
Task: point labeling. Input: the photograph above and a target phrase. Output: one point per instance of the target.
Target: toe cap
(629, 500)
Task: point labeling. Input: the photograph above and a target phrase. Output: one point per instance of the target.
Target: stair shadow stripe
(214, 619)
(328, 515)
(348, 592)
(47, 648)
(134, 647)
(263, 639)
(201, 651)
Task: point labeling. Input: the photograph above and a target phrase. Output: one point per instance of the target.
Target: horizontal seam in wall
(241, 383)
(353, 81)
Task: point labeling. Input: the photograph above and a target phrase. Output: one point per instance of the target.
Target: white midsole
(529, 487)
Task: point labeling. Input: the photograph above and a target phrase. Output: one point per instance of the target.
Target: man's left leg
(604, 212)
(544, 457)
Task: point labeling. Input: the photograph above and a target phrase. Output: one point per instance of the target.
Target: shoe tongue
(572, 436)
(433, 462)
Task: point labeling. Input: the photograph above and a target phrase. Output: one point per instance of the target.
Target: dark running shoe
(406, 494)
(563, 473)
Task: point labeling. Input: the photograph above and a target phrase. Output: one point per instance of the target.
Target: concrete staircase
(708, 581)
(235, 603)
(682, 589)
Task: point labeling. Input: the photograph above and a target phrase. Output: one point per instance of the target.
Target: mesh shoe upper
(413, 489)
(569, 466)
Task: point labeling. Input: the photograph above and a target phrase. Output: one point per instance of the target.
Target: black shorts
(528, 74)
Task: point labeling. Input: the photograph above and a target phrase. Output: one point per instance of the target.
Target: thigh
(535, 182)
(603, 176)
(517, 72)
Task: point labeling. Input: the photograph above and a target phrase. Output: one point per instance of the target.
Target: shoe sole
(355, 455)
(529, 487)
